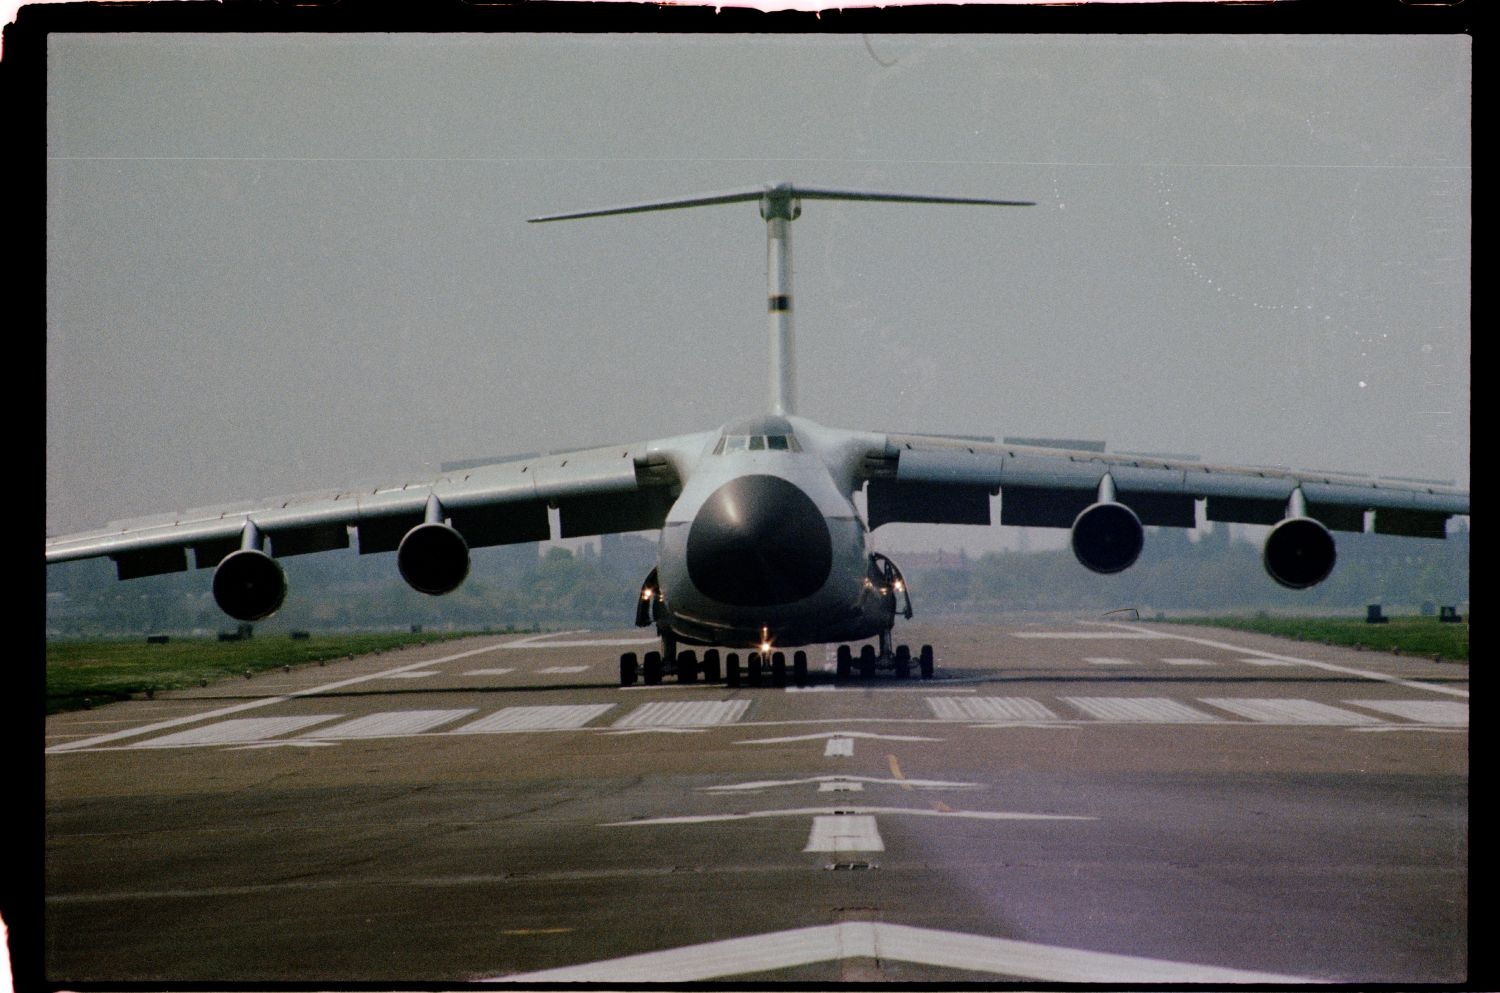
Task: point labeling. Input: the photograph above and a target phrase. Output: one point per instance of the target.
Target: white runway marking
(539, 641)
(489, 672)
(842, 780)
(1329, 666)
(972, 815)
(412, 675)
(235, 732)
(1141, 710)
(391, 725)
(1267, 662)
(840, 833)
(839, 746)
(556, 718)
(893, 943)
(840, 786)
(1098, 635)
(1107, 660)
(1189, 662)
(1279, 711)
(988, 708)
(565, 668)
(264, 702)
(691, 714)
(835, 734)
(1446, 712)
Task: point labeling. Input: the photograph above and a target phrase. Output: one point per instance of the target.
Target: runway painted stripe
(972, 815)
(894, 943)
(1189, 662)
(988, 708)
(840, 833)
(236, 732)
(1329, 666)
(565, 668)
(1450, 713)
(684, 714)
(1281, 711)
(489, 672)
(839, 746)
(843, 779)
(391, 725)
(1267, 662)
(1086, 635)
(265, 702)
(556, 718)
(1142, 709)
(1107, 660)
(413, 675)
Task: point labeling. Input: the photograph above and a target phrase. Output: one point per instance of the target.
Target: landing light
(647, 593)
(900, 586)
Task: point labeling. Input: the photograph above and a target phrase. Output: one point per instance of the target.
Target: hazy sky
(280, 263)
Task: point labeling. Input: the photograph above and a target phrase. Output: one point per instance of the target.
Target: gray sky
(288, 262)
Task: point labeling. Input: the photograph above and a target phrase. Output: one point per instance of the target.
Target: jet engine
(1298, 553)
(1107, 537)
(433, 558)
(249, 585)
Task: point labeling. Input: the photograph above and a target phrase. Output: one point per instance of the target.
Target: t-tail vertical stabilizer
(780, 205)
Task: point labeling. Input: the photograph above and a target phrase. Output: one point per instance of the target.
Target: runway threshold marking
(235, 732)
(1327, 666)
(843, 779)
(1283, 711)
(391, 725)
(540, 718)
(263, 702)
(1154, 710)
(1445, 712)
(835, 734)
(893, 943)
(989, 708)
(672, 713)
(839, 746)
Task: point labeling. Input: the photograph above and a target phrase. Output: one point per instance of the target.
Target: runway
(1069, 801)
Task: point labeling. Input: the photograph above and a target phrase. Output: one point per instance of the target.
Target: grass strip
(86, 673)
(1422, 636)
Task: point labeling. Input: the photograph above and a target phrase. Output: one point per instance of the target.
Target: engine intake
(433, 559)
(249, 585)
(1299, 553)
(1107, 537)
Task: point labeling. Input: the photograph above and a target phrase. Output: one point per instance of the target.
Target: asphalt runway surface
(1069, 801)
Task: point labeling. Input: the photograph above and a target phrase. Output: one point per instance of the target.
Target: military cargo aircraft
(762, 547)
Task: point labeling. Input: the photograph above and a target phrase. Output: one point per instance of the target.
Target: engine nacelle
(249, 585)
(1299, 553)
(1107, 537)
(433, 559)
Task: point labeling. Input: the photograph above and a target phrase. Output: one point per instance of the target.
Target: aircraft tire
(711, 672)
(778, 669)
(867, 662)
(732, 669)
(925, 661)
(687, 667)
(652, 666)
(799, 667)
(754, 667)
(845, 661)
(628, 669)
(903, 662)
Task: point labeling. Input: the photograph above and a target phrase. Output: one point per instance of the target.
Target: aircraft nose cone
(759, 541)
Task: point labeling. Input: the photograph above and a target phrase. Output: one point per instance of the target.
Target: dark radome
(759, 541)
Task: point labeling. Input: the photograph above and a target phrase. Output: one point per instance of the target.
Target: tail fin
(779, 206)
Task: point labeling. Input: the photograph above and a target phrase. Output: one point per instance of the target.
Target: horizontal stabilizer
(780, 191)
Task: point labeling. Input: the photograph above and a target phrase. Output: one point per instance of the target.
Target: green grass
(102, 671)
(1424, 636)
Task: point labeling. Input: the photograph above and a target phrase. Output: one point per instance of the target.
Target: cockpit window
(757, 443)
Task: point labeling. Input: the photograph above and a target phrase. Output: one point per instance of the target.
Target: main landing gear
(869, 659)
(757, 669)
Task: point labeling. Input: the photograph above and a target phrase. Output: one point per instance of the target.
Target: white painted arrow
(892, 943)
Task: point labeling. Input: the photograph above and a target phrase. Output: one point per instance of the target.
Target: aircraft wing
(933, 479)
(595, 491)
